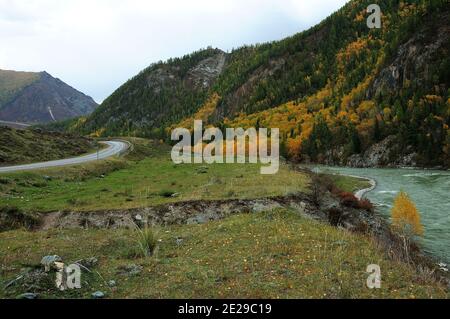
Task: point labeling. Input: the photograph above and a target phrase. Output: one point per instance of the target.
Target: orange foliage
(405, 216)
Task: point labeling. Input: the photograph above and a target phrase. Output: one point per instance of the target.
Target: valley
(278, 246)
(106, 187)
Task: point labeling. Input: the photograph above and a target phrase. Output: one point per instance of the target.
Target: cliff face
(413, 59)
(45, 99)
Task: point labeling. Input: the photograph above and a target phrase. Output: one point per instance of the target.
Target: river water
(429, 189)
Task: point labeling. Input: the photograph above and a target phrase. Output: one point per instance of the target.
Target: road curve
(114, 148)
(14, 124)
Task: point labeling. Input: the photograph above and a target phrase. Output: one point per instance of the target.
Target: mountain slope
(39, 98)
(31, 146)
(158, 96)
(335, 90)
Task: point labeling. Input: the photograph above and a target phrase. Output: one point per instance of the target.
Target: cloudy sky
(96, 45)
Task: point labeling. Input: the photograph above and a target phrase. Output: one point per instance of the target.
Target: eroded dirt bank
(328, 208)
(325, 208)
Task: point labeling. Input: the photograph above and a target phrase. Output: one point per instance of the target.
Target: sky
(97, 45)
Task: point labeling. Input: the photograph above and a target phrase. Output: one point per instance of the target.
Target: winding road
(14, 124)
(114, 148)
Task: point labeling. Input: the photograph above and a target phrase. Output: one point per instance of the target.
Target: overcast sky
(96, 45)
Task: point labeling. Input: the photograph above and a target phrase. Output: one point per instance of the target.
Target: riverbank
(286, 242)
(267, 250)
(428, 189)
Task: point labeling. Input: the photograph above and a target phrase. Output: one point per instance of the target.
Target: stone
(89, 262)
(200, 219)
(49, 262)
(112, 283)
(130, 270)
(179, 241)
(28, 295)
(98, 295)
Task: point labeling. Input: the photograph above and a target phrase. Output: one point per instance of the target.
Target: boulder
(98, 295)
(28, 296)
(49, 262)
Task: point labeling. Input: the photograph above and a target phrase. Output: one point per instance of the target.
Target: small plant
(4, 181)
(334, 216)
(366, 205)
(76, 202)
(147, 240)
(12, 217)
(166, 193)
(230, 193)
(128, 192)
(349, 200)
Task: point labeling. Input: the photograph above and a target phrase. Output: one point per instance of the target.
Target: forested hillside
(337, 90)
(160, 95)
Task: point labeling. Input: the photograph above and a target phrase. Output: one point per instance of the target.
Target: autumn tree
(406, 217)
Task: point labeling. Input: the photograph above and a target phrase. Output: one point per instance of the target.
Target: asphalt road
(114, 148)
(14, 124)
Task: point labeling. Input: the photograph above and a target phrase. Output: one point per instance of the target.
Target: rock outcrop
(388, 153)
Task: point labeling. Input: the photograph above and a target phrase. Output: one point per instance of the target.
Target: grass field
(349, 184)
(30, 146)
(148, 179)
(275, 254)
(266, 255)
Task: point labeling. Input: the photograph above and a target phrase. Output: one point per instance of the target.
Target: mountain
(160, 95)
(339, 92)
(39, 98)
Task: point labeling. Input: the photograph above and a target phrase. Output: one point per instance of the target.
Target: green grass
(266, 255)
(348, 183)
(30, 146)
(147, 180)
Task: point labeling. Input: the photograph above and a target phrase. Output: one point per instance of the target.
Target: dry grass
(267, 255)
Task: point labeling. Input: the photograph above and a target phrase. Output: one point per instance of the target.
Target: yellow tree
(405, 216)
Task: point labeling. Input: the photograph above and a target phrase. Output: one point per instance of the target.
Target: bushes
(334, 216)
(366, 205)
(166, 193)
(350, 200)
(147, 240)
(13, 218)
(322, 182)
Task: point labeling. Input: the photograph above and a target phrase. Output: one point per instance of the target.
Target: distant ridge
(32, 98)
(340, 92)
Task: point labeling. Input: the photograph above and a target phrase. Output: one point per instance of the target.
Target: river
(429, 189)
